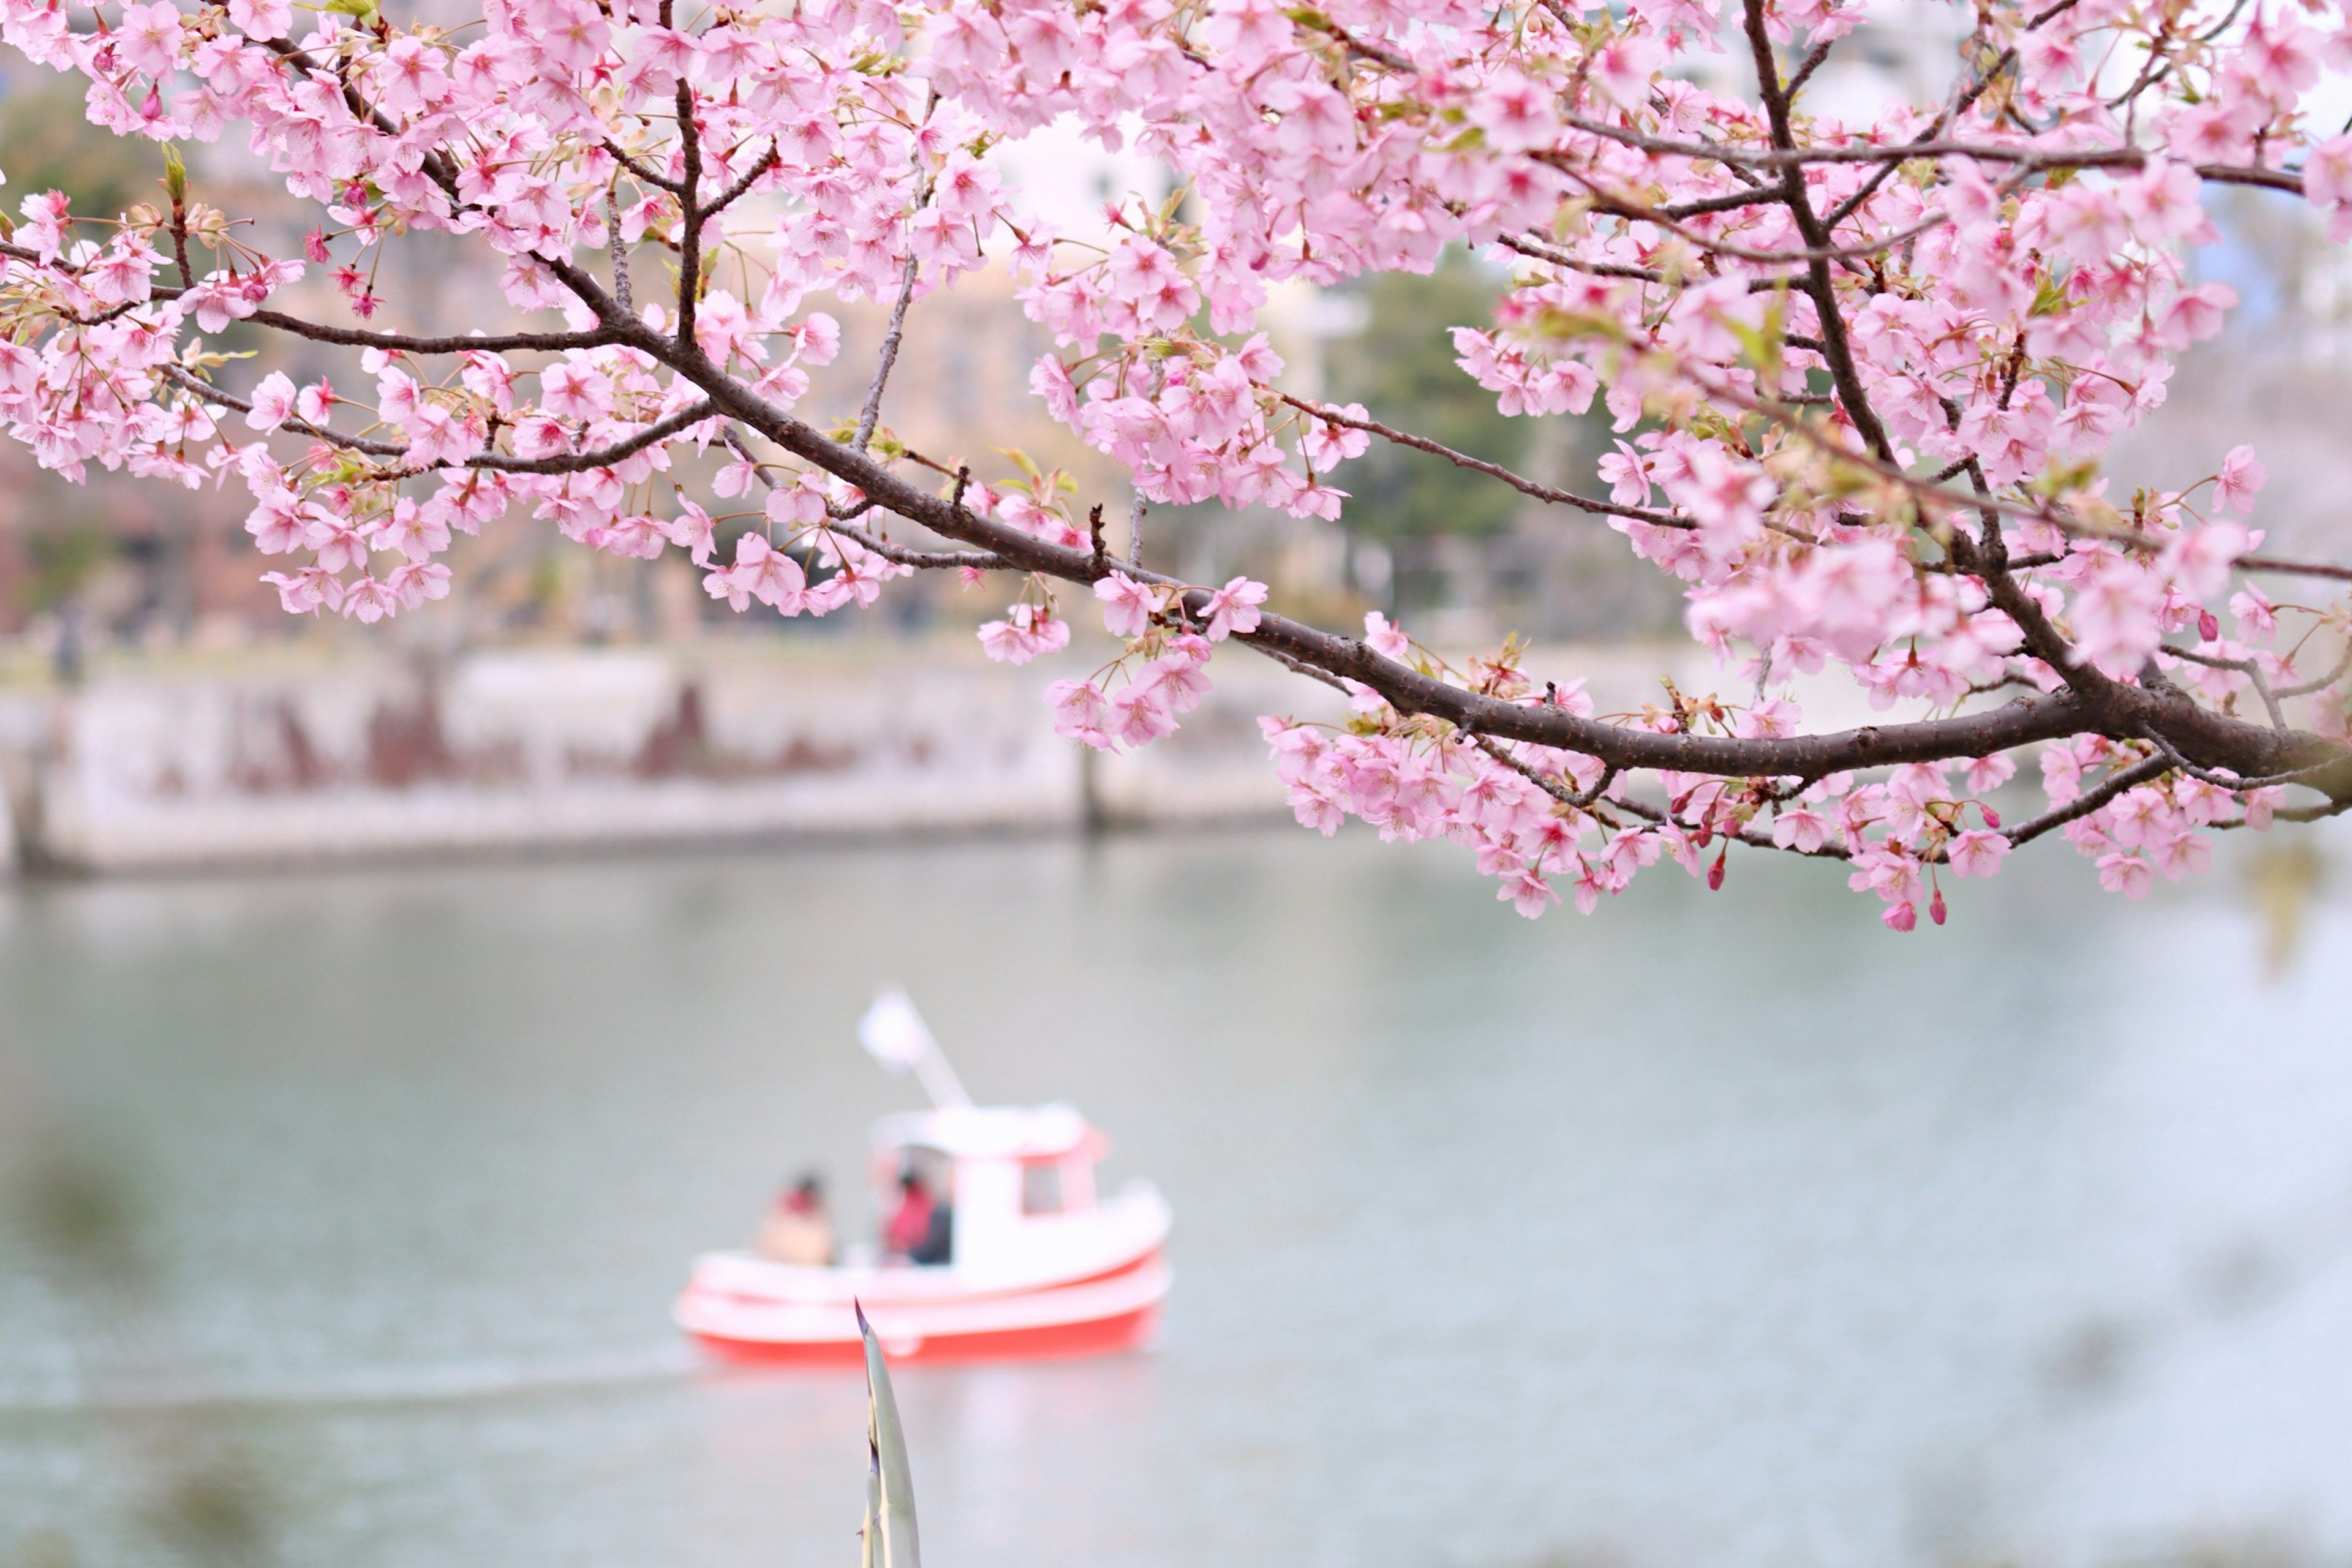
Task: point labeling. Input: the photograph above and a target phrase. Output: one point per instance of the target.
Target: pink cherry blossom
(1026, 632)
(273, 401)
(1977, 853)
(1127, 605)
(2125, 874)
(1233, 608)
(2241, 477)
(1801, 459)
(1078, 711)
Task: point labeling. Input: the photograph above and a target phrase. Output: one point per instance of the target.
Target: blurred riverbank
(299, 756)
(292, 760)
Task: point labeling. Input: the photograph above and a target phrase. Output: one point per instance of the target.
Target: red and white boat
(1041, 1264)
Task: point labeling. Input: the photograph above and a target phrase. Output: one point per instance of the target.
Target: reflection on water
(1717, 1230)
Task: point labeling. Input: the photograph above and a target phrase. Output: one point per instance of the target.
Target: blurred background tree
(1400, 367)
(1463, 558)
(46, 143)
(63, 556)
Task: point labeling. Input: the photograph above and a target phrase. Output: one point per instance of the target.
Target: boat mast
(896, 1037)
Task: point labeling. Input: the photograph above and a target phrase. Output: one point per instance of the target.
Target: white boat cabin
(1020, 1181)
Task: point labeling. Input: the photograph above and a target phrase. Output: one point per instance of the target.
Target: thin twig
(208, 393)
(734, 192)
(562, 463)
(2343, 667)
(1492, 470)
(2245, 667)
(641, 171)
(921, 560)
(1300, 667)
(1550, 786)
(2114, 785)
(2232, 781)
(890, 338)
(360, 338)
(872, 412)
(2296, 568)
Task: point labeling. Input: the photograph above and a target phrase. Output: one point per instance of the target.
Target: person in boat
(797, 1229)
(922, 1231)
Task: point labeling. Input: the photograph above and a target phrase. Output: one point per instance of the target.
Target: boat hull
(1058, 1341)
(1103, 1315)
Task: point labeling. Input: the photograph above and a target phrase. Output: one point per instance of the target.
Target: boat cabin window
(1041, 1187)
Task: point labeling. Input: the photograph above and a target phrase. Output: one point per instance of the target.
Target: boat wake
(369, 1387)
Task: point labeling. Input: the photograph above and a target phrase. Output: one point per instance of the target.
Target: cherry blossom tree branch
(734, 192)
(1835, 347)
(1974, 310)
(406, 344)
(604, 456)
(1528, 246)
(638, 171)
(897, 555)
(619, 252)
(2114, 709)
(2117, 711)
(2031, 160)
(690, 238)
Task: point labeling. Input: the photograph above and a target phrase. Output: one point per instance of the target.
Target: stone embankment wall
(544, 750)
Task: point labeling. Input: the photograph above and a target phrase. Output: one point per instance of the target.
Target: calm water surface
(1720, 1231)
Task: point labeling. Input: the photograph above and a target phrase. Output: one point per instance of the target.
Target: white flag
(894, 1032)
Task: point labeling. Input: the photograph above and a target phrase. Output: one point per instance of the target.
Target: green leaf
(2051, 297)
(1022, 461)
(889, 1486)
(360, 9)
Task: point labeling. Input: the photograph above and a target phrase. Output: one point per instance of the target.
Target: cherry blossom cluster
(1535, 816)
(1862, 378)
(1162, 670)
